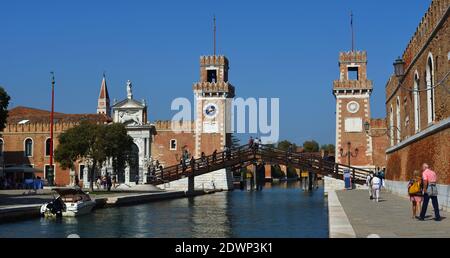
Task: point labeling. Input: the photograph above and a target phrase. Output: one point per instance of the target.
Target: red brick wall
(434, 150)
(14, 147)
(161, 146)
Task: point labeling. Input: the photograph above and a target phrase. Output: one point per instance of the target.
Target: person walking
(415, 189)
(214, 156)
(429, 178)
(108, 182)
(136, 179)
(376, 186)
(369, 184)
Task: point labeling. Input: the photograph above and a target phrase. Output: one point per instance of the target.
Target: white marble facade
(133, 114)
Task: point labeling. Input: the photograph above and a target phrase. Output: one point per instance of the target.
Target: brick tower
(103, 106)
(213, 110)
(352, 92)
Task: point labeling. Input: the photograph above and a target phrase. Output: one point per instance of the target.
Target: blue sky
(283, 49)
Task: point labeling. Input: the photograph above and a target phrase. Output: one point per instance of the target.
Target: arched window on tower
(28, 147)
(430, 89)
(416, 98)
(47, 147)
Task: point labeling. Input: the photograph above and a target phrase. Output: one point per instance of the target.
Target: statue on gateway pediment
(129, 90)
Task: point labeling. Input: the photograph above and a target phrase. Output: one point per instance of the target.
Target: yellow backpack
(415, 188)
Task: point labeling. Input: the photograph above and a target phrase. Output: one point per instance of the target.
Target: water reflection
(281, 210)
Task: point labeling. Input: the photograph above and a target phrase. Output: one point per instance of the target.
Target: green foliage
(97, 142)
(276, 171)
(328, 147)
(311, 146)
(284, 145)
(291, 173)
(4, 102)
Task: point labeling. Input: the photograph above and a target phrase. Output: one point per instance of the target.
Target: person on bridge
(250, 142)
(214, 156)
(429, 192)
(192, 163)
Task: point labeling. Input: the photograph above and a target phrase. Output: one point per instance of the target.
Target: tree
(284, 145)
(328, 148)
(311, 146)
(96, 142)
(4, 102)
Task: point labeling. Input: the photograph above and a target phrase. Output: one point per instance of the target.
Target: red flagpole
(51, 125)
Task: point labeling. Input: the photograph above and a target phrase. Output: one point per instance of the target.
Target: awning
(21, 169)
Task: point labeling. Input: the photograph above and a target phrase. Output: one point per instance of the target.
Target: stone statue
(129, 92)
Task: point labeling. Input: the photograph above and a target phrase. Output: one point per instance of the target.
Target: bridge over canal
(246, 155)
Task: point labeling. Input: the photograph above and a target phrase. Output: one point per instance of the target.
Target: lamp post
(349, 154)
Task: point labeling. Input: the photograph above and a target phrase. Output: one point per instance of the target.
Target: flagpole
(353, 33)
(51, 129)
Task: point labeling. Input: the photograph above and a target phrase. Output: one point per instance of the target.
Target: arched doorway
(134, 166)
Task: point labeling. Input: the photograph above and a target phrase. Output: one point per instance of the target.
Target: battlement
(214, 88)
(437, 10)
(346, 84)
(213, 61)
(38, 127)
(353, 57)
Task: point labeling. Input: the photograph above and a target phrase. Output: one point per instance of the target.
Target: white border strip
(339, 225)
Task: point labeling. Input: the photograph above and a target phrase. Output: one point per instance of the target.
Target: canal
(281, 210)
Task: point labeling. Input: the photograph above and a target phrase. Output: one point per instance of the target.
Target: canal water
(281, 210)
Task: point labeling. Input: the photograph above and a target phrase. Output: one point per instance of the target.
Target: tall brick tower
(103, 106)
(352, 92)
(213, 106)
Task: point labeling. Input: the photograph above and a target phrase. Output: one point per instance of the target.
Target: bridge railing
(247, 153)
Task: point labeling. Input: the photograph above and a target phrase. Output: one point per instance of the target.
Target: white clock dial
(353, 107)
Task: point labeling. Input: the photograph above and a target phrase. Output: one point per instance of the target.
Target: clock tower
(352, 92)
(213, 106)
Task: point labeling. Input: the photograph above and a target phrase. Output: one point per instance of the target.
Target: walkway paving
(390, 218)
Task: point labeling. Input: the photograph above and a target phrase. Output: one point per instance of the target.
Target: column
(127, 175)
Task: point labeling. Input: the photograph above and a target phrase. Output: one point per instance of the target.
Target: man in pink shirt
(429, 192)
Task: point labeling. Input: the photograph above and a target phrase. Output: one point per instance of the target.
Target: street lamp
(387, 130)
(349, 153)
(399, 67)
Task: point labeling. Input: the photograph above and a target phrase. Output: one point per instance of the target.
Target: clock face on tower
(210, 110)
(353, 107)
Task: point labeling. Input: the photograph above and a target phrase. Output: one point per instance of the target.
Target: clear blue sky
(285, 49)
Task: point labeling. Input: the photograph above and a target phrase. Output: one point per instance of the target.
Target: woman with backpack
(415, 188)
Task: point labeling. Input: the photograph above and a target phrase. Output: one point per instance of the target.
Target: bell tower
(213, 106)
(352, 92)
(103, 105)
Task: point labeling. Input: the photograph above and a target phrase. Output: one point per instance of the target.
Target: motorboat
(70, 202)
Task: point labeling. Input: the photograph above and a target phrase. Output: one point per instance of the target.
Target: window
(173, 144)
(391, 125)
(398, 118)
(212, 75)
(28, 147)
(352, 73)
(47, 147)
(430, 89)
(416, 99)
(81, 172)
(1, 147)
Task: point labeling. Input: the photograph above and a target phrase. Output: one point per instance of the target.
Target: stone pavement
(390, 218)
